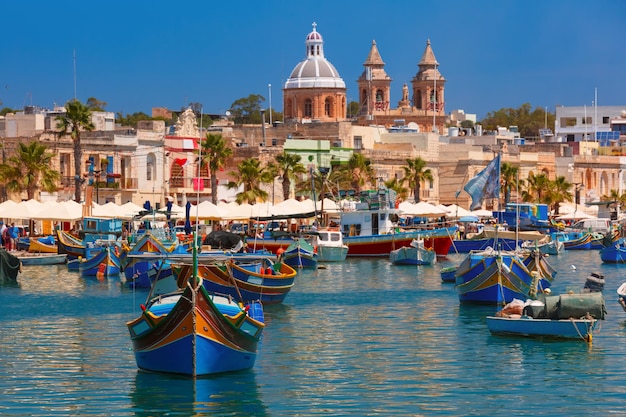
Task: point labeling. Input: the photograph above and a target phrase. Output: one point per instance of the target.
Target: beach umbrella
(482, 213)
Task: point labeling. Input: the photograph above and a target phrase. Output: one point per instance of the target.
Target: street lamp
(96, 174)
(263, 117)
(269, 86)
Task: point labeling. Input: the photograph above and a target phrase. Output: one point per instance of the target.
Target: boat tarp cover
(9, 266)
(559, 307)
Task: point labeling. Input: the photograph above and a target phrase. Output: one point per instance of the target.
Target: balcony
(195, 183)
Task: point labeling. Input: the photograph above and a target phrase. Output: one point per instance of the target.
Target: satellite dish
(227, 113)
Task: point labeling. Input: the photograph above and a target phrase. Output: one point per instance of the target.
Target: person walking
(14, 234)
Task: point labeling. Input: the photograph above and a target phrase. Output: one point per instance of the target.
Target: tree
(397, 185)
(30, 170)
(353, 109)
(509, 180)
(7, 110)
(288, 166)
(95, 105)
(214, 152)
(77, 117)
(247, 110)
(537, 186)
(251, 175)
(360, 172)
(527, 120)
(131, 119)
(559, 192)
(415, 175)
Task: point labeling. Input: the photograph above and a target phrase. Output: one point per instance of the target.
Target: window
(606, 120)
(308, 108)
(358, 142)
(327, 107)
(150, 167)
(586, 120)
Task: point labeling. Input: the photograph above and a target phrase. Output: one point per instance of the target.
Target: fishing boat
(573, 240)
(448, 273)
(10, 267)
(299, 254)
(415, 254)
(525, 216)
(546, 246)
(567, 316)
(218, 278)
(496, 238)
(73, 246)
(30, 258)
(614, 254)
(263, 272)
(193, 332)
(497, 277)
(102, 249)
(101, 261)
(43, 245)
(330, 246)
(141, 270)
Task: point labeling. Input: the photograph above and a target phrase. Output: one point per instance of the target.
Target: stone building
(314, 90)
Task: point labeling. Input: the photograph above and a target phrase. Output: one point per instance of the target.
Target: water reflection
(233, 394)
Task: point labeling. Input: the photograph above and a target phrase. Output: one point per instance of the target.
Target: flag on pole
(485, 185)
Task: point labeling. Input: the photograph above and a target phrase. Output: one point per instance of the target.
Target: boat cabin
(530, 215)
(374, 214)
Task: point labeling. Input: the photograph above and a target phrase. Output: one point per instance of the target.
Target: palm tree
(536, 187)
(77, 117)
(30, 170)
(559, 190)
(509, 180)
(397, 185)
(360, 171)
(415, 174)
(288, 166)
(214, 152)
(251, 175)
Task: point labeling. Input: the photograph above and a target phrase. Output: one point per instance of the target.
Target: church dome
(315, 71)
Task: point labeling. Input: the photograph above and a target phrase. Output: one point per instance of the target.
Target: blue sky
(140, 54)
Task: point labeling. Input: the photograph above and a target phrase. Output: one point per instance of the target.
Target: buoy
(280, 251)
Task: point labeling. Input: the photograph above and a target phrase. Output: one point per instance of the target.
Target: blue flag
(485, 185)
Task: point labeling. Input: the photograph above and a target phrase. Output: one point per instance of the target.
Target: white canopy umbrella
(59, 212)
(7, 207)
(486, 214)
(239, 211)
(108, 210)
(207, 211)
(455, 212)
(329, 205)
(567, 208)
(260, 210)
(130, 209)
(421, 209)
(576, 216)
(289, 207)
(23, 210)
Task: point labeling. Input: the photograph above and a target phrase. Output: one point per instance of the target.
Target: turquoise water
(361, 338)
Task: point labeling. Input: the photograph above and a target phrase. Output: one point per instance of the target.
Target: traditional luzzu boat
(263, 272)
(30, 258)
(102, 250)
(299, 254)
(497, 277)
(139, 264)
(567, 316)
(73, 246)
(574, 240)
(218, 278)
(615, 253)
(193, 332)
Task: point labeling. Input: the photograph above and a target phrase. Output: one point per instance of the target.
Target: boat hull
(408, 255)
(332, 253)
(44, 259)
(195, 338)
(530, 327)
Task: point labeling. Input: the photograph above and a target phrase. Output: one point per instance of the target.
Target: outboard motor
(594, 283)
